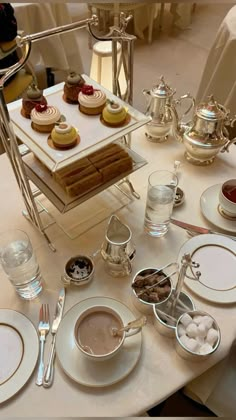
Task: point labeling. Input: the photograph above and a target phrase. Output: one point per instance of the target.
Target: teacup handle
(182, 98)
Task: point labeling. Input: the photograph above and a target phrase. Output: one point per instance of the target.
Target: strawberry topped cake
(91, 101)
(44, 118)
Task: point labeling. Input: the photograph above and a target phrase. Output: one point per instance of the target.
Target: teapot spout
(177, 130)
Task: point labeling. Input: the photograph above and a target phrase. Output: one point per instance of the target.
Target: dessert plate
(93, 373)
(209, 206)
(216, 255)
(19, 347)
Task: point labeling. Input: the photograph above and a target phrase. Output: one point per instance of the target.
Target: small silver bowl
(142, 305)
(79, 270)
(186, 353)
(159, 323)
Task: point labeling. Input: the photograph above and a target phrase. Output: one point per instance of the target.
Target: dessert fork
(43, 329)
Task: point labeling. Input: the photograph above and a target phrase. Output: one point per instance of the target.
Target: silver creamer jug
(117, 249)
(161, 95)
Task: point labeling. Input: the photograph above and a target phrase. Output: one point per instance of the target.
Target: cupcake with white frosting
(91, 101)
(44, 118)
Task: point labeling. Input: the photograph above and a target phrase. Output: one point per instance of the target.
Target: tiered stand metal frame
(9, 140)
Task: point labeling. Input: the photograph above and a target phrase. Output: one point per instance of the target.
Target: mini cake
(72, 87)
(44, 118)
(64, 136)
(91, 101)
(31, 98)
(114, 114)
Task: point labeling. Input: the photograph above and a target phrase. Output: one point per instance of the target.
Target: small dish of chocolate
(79, 270)
(150, 287)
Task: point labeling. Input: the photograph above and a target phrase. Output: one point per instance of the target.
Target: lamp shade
(101, 65)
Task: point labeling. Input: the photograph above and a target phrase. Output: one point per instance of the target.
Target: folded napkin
(216, 387)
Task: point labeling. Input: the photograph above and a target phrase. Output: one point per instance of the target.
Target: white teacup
(94, 333)
(227, 198)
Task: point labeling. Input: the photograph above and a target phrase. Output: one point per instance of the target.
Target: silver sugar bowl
(161, 95)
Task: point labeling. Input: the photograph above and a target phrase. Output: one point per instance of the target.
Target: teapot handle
(192, 104)
(225, 148)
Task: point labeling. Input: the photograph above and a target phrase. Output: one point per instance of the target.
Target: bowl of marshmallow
(197, 335)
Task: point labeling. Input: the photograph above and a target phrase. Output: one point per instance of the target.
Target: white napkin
(216, 387)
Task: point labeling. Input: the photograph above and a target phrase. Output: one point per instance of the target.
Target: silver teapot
(118, 250)
(161, 123)
(206, 134)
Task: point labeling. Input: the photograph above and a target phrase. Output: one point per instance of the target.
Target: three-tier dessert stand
(10, 135)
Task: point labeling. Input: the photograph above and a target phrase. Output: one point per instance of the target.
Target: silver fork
(43, 329)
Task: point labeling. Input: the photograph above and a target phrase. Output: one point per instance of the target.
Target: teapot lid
(211, 110)
(162, 90)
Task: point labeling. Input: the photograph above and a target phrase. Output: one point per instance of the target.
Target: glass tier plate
(42, 178)
(93, 134)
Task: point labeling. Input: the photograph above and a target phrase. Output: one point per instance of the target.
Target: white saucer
(209, 202)
(19, 347)
(217, 257)
(85, 371)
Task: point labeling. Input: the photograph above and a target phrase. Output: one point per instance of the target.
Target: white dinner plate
(216, 255)
(93, 373)
(19, 347)
(209, 202)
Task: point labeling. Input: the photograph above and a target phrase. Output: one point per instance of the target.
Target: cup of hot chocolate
(97, 333)
(227, 199)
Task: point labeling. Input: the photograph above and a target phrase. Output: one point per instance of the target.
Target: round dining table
(159, 371)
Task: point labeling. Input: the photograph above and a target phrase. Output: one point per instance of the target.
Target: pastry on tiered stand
(72, 87)
(114, 114)
(97, 168)
(44, 118)
(31, 98)
(64, 136)
(91, 101)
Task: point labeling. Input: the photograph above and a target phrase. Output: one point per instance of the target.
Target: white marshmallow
(202, 330)
(189, 343)
(212, 336)
(197, 319)
(186, 319)
(192, 330)
(208, 321)
(181, 330)
(205, 348)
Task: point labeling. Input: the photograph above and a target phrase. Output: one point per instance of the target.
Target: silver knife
(49, 371)
(198, 229)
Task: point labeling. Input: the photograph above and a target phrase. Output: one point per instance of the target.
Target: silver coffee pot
(160, 126)
(118, 250)
(207, 134)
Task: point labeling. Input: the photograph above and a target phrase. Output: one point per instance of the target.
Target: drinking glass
(160, 200)
(20, 264)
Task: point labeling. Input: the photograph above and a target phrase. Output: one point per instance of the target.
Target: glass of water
(160, 200)
(20, 264)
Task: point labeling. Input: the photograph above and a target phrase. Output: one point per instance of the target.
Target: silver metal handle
(49, 371)
(39, 380)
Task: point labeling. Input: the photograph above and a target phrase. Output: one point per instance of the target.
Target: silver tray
(93, 134)
(42, 178)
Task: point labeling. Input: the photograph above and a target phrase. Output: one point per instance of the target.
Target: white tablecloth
(60, 52)
(160, 372)
(219, 75)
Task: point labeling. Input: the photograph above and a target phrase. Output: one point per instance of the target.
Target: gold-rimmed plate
(87, 372)
(216, 255)
(19, 347)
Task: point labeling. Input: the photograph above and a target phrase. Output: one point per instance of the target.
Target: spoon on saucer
(137, 323)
